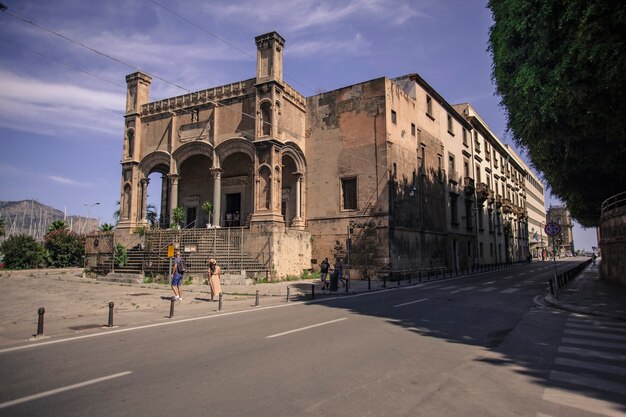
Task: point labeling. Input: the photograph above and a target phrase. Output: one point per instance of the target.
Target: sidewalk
(586, 294)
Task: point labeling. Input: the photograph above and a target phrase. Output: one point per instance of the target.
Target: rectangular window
(476, 142)
(412, 129)
(450, 125)
(478, 179)
(348, 194)
(451, 167)
(429, 106)
(495, 159)
(464, 136)
(440, 167)
(394, 117)
(466, 167)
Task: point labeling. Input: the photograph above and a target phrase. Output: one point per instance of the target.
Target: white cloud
(304, 14)
(52, 108)
(320, 47)
(66, 181)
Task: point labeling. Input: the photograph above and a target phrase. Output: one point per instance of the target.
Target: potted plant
(178, 215)
(207, 207)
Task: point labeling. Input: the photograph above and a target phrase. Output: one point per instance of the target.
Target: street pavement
(77, 305)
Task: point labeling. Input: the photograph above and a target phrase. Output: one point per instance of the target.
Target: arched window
(125, 206)
(265, 188)
(130, 144)
(266, 119)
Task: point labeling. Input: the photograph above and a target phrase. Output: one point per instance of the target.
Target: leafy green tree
(57, 225)
(120, 255)
(560, 69)
(178, 215)
(21, 252)
(106, 227)
(64, 248)
(2, 227)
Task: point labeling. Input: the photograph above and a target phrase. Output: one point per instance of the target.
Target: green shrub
(64, 248)
(121, 255)
(21, 252)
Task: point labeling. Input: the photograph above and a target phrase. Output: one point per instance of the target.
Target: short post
(287, 294)
(398, 279)
(551, 287)
(219, 305)
(111, 305)
(172, 300)
(420, 275)
(256, 301)
(312, 291)
(369, 283)
(41, 312)
(347, 284)
(384, 280)
(410, 273)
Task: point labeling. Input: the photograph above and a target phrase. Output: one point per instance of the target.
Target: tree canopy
(560, 69)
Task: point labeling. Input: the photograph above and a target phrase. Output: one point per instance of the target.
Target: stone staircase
(200, 245)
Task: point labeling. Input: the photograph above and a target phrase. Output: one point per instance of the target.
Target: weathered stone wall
(613, 246)
(290, 249)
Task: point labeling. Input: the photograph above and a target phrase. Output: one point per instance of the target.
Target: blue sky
(61, 105)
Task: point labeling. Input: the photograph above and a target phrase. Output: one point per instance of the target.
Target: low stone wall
(613, 246)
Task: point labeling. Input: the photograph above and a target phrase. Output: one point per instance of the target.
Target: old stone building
(385, 173)
(563, 243)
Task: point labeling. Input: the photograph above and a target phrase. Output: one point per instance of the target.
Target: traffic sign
(170, 251)
(552, 229)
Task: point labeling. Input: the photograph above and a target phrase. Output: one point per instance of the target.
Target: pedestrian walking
(324, 266)
(214, 279)
(178, 269)
(339, 271)
(236, 219)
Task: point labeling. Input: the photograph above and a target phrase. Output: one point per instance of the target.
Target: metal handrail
(614, 202)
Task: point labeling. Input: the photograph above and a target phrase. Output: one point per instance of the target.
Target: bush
(121, 255)
(64, 248)
(21, 252)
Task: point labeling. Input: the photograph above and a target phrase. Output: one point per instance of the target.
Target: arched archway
(195, 186)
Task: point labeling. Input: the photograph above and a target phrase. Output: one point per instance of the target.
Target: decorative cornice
(211, 95)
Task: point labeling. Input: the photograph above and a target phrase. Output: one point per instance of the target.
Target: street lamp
(89, 207)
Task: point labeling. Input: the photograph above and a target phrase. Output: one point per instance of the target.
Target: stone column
(217, 195)
(297, 221)
(164, 209)
(173, 193)
(144, 200)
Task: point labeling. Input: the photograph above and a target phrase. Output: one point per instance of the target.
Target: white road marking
(509, 277)
(305, 328)
(594, 366)
(596, 343)
(588, 381)
(595, 327)
(509, 290)
(410, 302)
(595, 334)
(62, 389)
(592, 353)
(463, 289)
(487, 283)
(523, 273)
(583, 402)
(488, 289)
(449, 288)
(611, 324)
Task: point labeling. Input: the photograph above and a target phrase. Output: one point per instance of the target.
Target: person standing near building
(339, 271)
(324, 271)
(214, 279)
(178, 269)
(236, 219)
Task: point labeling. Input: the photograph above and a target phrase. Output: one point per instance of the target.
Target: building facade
(385, 173)
(563, 243)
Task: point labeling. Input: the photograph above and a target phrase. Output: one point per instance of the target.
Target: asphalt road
(473, 346)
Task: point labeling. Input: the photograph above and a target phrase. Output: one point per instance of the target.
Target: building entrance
(233, 207)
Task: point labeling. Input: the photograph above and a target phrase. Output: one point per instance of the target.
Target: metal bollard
(256, 301)
(312, 291)
(287, 294)
(219, 305)
(41, 312)
(347, 284)
(111, 305)
(551, 287)
(385, 281)
(399, 277)
(172, 301)
(369, 283)
(410, 273)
